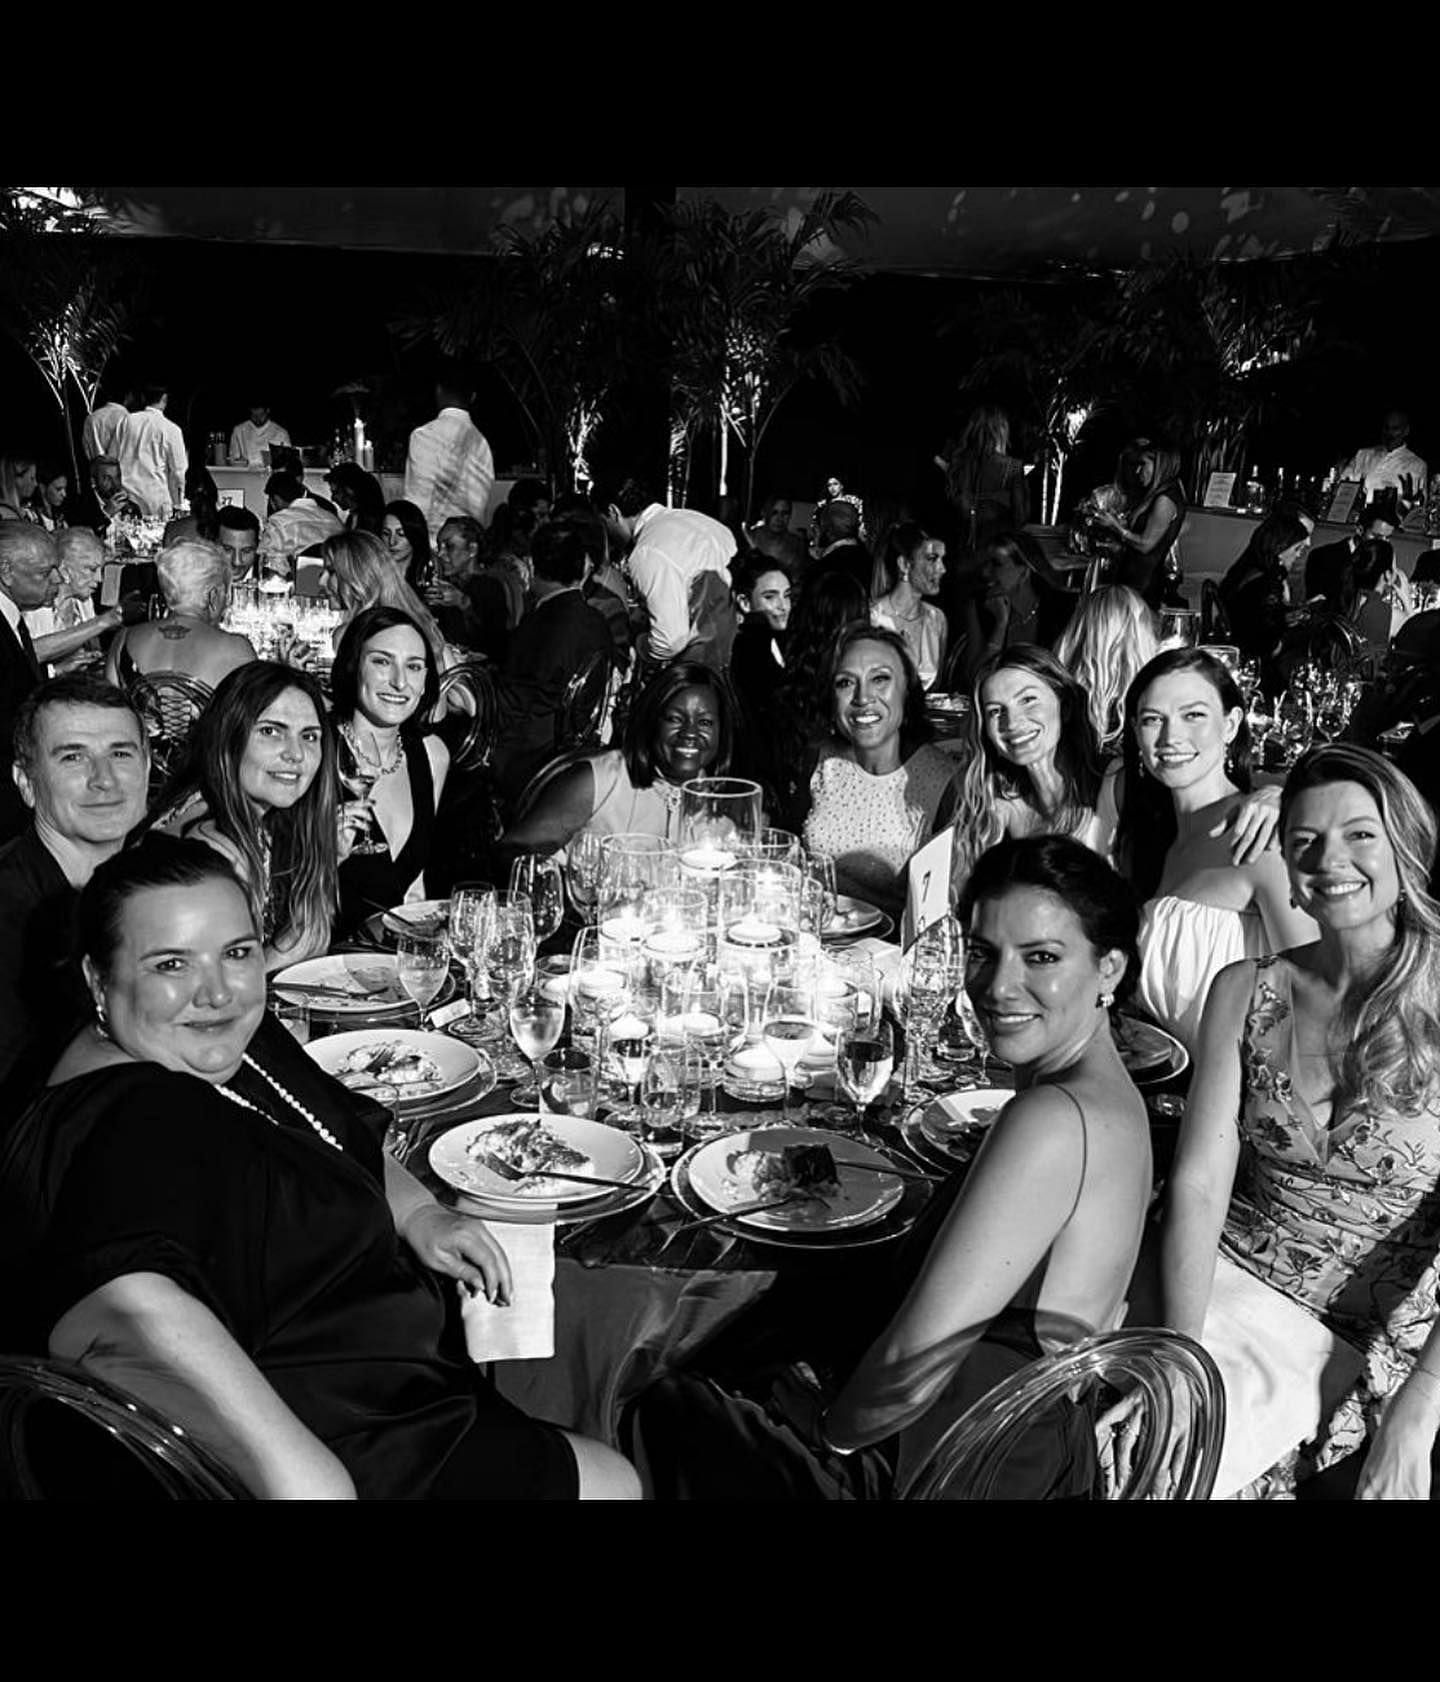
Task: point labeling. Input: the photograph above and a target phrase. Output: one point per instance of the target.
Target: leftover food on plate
(532, 1149)
(388, 1061)
(1142, 1046)
(793, 1168)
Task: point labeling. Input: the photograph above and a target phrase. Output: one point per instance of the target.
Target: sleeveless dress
(621, 808)
(1183, 946)
(371, 882)
(871, 825)
(1343, 1219)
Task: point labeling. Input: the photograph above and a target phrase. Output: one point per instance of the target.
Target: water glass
(540, 879)
(632, 866)
(295, 1015)
(536, 1022)
(930, 975)
(790, 1026)
(718, 815)
(566, 1077)
(671, 1097)
(779, 846)
(707, 1009)
(625, 1039)
(422, 962)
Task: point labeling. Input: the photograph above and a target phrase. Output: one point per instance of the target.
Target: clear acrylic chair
(169, 703)
(43, 1456)
(1142, 1457)
(468, 687)
(586, 705)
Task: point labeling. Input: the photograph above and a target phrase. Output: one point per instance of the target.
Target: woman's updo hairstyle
(155, 861)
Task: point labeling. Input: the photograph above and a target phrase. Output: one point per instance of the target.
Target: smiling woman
(384, 685)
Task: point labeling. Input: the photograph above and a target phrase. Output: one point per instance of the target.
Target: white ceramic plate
(863, 1197)
(369, 977)
(455, 1061)
(423, 917)
(1148, 1052)
(649, 1180)
(852, 917)
(611, 1153)
(960, 1115)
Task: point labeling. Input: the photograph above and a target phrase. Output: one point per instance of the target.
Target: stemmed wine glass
(507, 958)
(1260, 716)
(864, 1062)
(422, 962)
(789, 1027)
(582, 871)
(536, 1020)
(360, 779)
(930, 974)
(1330, 714)
(1295, 721)
(705, 1008)
(671, 1093)
(470, 904)
(540, 878)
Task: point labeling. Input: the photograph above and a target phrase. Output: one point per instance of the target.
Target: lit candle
(598, 983)
(628, 1026)
(756, 1060)
(698, 1022)
(751, 931)
(625, 929)
(707, 859)
(671, 943)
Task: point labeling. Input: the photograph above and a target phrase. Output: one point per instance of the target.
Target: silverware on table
(742, 1209)
(507, 1171)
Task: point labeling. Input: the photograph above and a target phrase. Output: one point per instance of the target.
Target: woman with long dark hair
(1149, 475)
(407, 538)
(258, 786)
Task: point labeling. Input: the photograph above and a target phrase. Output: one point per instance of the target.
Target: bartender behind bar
(258, 434)
(1390, 465)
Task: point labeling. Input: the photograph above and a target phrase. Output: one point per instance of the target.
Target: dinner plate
(368, 976)
(959, 1118)
(721, 1182)
(455, 1061)
(852, 917)
(615, 1201)
(894, 1224)
(424, 916)
(956, 706)
(613, 1155)
(958, 1150)
(1148, 1052)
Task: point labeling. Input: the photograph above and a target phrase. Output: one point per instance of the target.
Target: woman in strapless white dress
(1187, 757)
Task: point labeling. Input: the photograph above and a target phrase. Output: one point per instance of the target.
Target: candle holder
(632, 866)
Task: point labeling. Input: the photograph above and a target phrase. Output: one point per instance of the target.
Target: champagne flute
(536, 1021)
(540, 878)
(422, 962)
(864, 1063)
(1260, 716)
(789, 1028)
(582, 871)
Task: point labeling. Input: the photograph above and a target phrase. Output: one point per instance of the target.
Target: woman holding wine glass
(384, 684)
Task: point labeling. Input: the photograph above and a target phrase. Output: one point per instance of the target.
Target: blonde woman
(358, 573)
(1111, 635)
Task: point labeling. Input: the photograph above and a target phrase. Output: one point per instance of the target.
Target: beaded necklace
(292, 1101)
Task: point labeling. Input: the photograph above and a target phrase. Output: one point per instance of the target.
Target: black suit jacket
(1325, 570)
(19, 674)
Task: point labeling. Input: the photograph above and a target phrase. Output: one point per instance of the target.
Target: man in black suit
(30, 577)
(1327, 566)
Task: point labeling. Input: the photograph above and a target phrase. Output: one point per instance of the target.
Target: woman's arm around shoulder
(149, 1336)
(1203, 1174)
(1019, 1196)
(1286, 925)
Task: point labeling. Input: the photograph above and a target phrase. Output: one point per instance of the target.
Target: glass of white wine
(789, 1028)
(537, 1020)
(422, 962)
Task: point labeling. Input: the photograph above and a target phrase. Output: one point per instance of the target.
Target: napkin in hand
(526, 1329)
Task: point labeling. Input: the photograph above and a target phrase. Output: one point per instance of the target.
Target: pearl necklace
(347, 730)
(292, 1101)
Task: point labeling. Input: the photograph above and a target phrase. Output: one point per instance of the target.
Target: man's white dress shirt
(673, 546)
(247, 441)
(449, 470)
(102, 429)
(151, 453)
(289, 530)
(1382, 469)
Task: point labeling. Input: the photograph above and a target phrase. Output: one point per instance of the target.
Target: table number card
(1343, 501)
(1219, 490)
(927, 888)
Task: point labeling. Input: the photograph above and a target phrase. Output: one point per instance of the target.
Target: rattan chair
(1139, 1462)
(169, 703)
(55, 1420)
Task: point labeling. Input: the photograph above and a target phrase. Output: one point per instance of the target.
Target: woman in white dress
(1187, 759)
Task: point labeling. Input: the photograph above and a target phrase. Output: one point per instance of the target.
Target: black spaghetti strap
(1084, 1147)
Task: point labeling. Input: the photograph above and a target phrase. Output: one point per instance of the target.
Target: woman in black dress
(192, 1209)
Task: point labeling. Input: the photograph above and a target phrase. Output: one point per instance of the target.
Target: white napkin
(1282, 1369)
(526, 1329)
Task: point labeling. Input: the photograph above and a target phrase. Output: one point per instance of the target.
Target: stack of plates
(854, 917)
(868, 1208)
(423, 916)
(613, 1155)
(948, 1131)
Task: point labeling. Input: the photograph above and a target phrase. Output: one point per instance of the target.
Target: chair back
(531, 793)
(1161, 1371)
(468, 687)
(169, 703)
(585, 709)
(1214, 621)
(33, 1392)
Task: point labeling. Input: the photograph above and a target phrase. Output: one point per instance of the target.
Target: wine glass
(540, 878)
(1330, 714)
(780, 846)
(422, 962)
(930, 979)
(1260, 716)
(507, 959)
(816, 868)
(295, 1015)
(671, 1093)
(864, 1062)
(360, 780)
(1295, 721)
(582, 872)
(536, 1021)
(789, 1027)
(470, 905)
(706, 1008)
(624, 1040)
(600, 980)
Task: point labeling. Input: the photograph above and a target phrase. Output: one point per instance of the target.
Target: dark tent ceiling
(920, 230)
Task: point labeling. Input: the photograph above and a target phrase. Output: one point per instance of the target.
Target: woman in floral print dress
(1324, 1063)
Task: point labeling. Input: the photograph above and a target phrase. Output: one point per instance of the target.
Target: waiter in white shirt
(1390, 465)
(258, 434)
(449, 470)
(151, 453)
(102, 429)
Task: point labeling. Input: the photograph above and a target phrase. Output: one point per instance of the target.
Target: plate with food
(954, 1123)
(1148, 1052)
(424, 916)
(417, 1065)
(526, 1141)
(832, 1182)
(550, 1213)
(956, 706)
(350, 984)
(852, 917)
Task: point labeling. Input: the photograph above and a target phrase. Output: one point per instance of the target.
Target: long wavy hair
(1111, 635)
(365, 577)
(1148, 824)
(986, 432)
(1386, 1036)
(299, 878)
(990, 778)
(904, 540)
